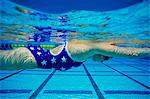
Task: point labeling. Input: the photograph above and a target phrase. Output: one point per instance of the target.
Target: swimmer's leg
(20, 58)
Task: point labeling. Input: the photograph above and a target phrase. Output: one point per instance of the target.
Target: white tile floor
(113, 79)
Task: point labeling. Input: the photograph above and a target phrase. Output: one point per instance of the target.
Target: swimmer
(63, 57)
(23, 10)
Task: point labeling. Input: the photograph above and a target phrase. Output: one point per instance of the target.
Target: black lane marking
(126, 92)
(67, 92)
(79, 74)
(97, 90)
(11, 75)
(147, 87)
(136, 72)
(133, 66)
(102, 71)
(38, 90)
(16, 91)
(49, 70)
(39, 70)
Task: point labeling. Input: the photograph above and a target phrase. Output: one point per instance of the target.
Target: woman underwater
(63, 57)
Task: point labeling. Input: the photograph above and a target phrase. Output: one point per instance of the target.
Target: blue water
(63, 6)
(117, 78)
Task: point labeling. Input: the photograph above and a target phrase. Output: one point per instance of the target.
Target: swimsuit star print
(46, 59)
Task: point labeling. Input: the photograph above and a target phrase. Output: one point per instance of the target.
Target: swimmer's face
(100, 58)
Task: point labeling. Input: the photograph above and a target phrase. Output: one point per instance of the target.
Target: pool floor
(113, 79)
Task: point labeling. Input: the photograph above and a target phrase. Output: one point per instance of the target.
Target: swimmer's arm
(19, 58)
(111, 50)
(80, 50)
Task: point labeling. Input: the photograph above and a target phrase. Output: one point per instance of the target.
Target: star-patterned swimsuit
(46, 59)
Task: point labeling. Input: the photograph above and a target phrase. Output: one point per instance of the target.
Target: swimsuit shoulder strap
(66, 49)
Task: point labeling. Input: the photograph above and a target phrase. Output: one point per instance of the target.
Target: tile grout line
(134, 61)
(11, 75)
(137, 61)
(147, 87)
(96, 88)
(39, 89)
(133, 66)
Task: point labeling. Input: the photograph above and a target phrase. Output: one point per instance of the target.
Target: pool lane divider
(39, 89)
(96, 88)
(8, 46)
(147, 87)
(11, 75)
